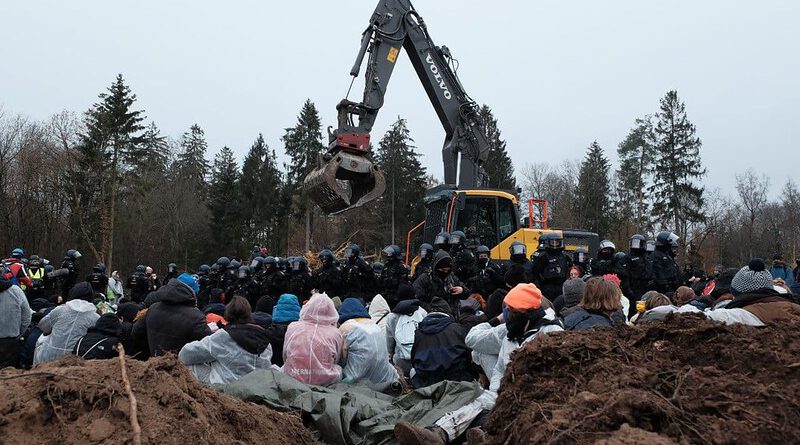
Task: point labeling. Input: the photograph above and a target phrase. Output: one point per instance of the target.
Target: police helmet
(442, 239)
(425, 251)
(581, 255)
(554, 241)
(391, 252)
(637, 242)
(457, 237)
(517, 248)
(224, 262)
(353, 251)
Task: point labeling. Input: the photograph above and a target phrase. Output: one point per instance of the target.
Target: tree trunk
(308, 227)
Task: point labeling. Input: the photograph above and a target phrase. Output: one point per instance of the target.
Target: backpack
(404, 333)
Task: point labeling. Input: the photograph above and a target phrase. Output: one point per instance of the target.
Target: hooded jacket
(364, 355)
(100, 339)
(430, 285)
(286, 311)
(15, 313)
(379, 312)
(406, 308)
(757, 309)
(64, 326)
(313, 345)
(228, 354)
(439, 351)
(173, 321)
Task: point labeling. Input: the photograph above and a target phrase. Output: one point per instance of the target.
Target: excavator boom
(346, 177)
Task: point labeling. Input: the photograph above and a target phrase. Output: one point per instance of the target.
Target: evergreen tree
(402, 204)
(261, 189)
(303, 144)
(191, 163)
(591, 203)
(110, 145)
(677, 199)
(223, 203)
(636, 158)
(498, 165)
(155, 151)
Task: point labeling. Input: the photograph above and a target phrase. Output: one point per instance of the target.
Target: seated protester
(66, 324)
(215, 309)
(127, 312)
(439, 352)
(174, 320)
(755, 302)
(656, 307)
(515, 275)
(571, 292)
(600, 300)
(364, 354)
(620, 317)
(379, 308)
(286, 311)
(313, 345)
(684, 295)
(238, 349)
(100, 339)
(15, 317)
(470, 313)
(440, 282)
(401, 326)
(523, 320)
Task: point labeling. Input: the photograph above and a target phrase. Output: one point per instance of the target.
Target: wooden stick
(137, 430)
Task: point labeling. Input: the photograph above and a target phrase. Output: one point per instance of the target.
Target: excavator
(347, 178)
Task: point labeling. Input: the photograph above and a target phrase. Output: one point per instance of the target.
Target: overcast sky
(558, 74)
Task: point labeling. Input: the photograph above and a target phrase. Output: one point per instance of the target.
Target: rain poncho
(364, 355)
(379, 312)
(228, 354)
(313, 345)
(63, 327)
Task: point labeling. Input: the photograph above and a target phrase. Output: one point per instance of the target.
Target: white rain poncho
(313, 345)
(379, 312)
(219, 359)
(366, 357)
(63, 327)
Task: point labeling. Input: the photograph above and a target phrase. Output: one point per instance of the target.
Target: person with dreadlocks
(523, 319)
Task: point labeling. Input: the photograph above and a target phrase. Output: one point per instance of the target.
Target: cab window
(507, 218)
(478, 220)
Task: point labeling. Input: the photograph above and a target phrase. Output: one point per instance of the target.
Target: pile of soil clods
(682, 380)
(77, 401)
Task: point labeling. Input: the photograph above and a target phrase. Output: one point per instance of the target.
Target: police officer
(604, 263)
(301, 283)
(272, 279)
(551, 268)
(485, 275)
(394, 273)
(98, 279)
(172, 272)
(442, 241)
(358, 277)
(581, 259)
(70, 263)
(518, 254)
(138, 284)
(328, 277)
(463, 258)
(636, 274)
(246, 287)
(37, 276)
(666, 274)
(425, 259)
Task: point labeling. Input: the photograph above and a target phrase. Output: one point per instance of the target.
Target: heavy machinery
(347, 178)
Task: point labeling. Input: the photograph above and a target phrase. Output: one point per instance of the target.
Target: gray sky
(558, 74)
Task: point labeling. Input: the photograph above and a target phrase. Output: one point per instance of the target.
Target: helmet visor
(440, 239)
(517, 249)
(637, 243)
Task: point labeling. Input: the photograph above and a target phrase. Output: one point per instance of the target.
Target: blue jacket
(783, 272)
(286, 310)
(581, 320)
(439, 352)
(352, 308)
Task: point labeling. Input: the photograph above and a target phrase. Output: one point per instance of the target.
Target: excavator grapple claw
(344, 182)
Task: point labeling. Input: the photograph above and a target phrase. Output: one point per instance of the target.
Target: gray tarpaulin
(351, 414)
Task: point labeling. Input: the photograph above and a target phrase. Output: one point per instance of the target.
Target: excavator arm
(347, 178)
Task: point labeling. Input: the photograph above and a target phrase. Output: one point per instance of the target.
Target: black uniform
(463, 260)
(328, 279)
(357, 277)
(666, 274)
(394, 274)
(485, 277)
(550, 271)
(139, 285)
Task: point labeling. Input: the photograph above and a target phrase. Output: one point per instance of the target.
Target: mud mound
(683, 380)
(76, 401)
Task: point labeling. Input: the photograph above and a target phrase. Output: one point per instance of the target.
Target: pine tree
(191, 163)
(636, 160)
(223, 203)
(498, 165)
(592, 195)
(303, 144)
(111, 144)
(261, 189)
(402, 203)
(677, 199)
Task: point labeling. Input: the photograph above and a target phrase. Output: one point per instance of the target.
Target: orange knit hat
(524, 297)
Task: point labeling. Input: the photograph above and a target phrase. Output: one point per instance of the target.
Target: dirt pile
(683, 380)
(76, 401)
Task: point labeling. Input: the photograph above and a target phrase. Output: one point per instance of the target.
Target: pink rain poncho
(313, 344)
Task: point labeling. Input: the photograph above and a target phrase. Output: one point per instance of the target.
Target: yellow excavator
(347, 178)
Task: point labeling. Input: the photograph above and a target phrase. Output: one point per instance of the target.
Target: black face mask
(483, 262)
(442, 273)
(518, 325)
